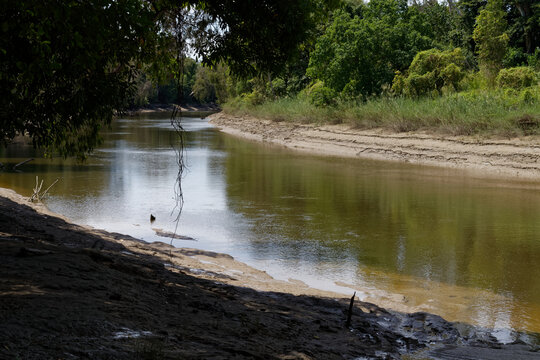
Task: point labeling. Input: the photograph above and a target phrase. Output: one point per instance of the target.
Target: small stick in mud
(349, 314)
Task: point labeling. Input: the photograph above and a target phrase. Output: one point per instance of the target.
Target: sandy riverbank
(492, 157)
(186, 109)
(74, 292)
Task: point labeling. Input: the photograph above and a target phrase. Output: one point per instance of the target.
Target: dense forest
(462, 66)
(382, 47)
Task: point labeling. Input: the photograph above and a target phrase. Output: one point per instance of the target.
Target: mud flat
(74, 292)
(516, 158)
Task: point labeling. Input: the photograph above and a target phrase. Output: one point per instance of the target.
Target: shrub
(417, 85)
(279, 87)
(516, 78)
(473, 81)
(430, 70)
(528, 96)
(452, 75)
(254, 98)
(398, 85)
(534, 59)
(320, 95)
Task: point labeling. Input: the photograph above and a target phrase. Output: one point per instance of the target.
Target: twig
(37, 195)
(47, 190)
(349, 314)
(37, 189)
(22, 163)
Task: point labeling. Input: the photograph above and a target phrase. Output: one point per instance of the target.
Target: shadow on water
(410, 237)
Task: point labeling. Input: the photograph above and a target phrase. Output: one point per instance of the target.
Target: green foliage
(257, 36)
(173, 87)
(463, 33)
(365, 45)
(516, 77)
(167, 92)
(437, 21)
(430, 71)
(359, 54)
(279, 87)
(473, 81)
(320, 95)
(524, 24)
(212, 84)
(514, 57)
(203, 89)
(146, 91)
(417, 84)
(452, 75)
(398, 84)
(534, 59)
(491, 39)
(254, 98)
(529, 96)
(66, 67)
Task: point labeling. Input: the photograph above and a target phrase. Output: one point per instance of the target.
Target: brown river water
(406, 237)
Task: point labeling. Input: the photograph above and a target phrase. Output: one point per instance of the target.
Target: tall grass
(496, 112)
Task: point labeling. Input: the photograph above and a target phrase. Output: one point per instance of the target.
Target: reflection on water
(413, 238)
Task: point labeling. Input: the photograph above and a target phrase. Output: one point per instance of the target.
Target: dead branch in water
(22, 163)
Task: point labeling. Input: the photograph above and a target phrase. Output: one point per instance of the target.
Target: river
(411, 238)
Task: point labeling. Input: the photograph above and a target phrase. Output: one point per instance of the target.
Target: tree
(491, 39)
(358, 54)
(468, 11)
(212, 84)
(67, 66)
(524, 24)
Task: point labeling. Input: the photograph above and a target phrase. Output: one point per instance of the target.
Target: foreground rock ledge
(71, 292)
(515, 158)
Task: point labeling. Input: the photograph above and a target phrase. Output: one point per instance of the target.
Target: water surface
(408, 237)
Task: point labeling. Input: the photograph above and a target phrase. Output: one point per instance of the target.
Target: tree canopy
(360, 50)
(67, 66)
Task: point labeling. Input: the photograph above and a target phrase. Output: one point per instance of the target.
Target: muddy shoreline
(504, 158)
(75, 292)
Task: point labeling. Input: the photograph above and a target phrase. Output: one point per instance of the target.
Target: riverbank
(69, 291)
(519, 157)
(187, 109)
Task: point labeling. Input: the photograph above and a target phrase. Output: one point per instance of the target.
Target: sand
(516, 158)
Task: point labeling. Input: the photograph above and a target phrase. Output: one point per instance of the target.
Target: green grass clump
(503, 112)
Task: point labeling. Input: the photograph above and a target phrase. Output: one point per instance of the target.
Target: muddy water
(407, 237)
